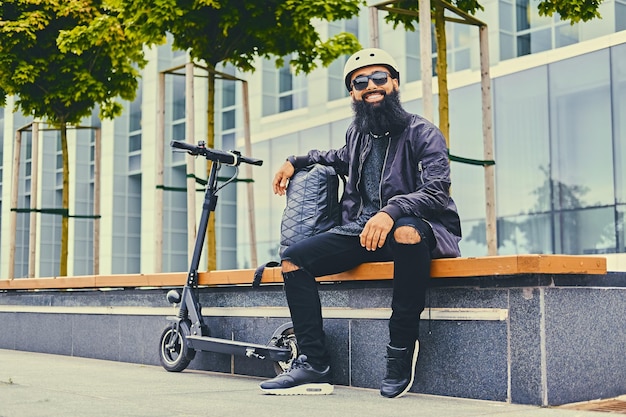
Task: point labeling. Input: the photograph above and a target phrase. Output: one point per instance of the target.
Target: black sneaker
(300, 379)
(400, 371)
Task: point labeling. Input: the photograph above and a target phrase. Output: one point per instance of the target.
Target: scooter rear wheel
(287, 339)
(174, 352)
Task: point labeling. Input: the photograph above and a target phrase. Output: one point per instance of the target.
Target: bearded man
(396, 206)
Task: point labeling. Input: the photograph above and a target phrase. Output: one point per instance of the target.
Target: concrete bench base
(538, 339)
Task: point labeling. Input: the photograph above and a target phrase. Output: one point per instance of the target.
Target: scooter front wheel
(174, 352)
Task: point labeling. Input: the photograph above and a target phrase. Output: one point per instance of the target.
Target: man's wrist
(292, 160)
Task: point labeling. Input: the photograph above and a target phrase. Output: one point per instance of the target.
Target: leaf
(66, 57)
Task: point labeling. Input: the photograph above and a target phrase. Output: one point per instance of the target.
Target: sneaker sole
(413, 363)
(304, 389)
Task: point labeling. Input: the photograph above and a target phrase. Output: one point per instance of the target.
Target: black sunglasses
(379, 78)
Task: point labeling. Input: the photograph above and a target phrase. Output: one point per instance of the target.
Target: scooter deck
(233, 347)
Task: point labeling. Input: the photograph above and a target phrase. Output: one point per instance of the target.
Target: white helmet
(367, 57)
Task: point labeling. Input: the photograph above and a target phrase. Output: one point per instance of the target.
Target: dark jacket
(415, 179)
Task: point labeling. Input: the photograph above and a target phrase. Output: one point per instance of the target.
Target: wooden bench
(441, 268)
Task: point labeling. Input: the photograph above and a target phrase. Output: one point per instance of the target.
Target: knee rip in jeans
(407, 235)
(288, 266)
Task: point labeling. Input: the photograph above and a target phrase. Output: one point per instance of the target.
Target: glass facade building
(559, 127)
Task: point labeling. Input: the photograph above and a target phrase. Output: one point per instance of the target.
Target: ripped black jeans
(330, 253)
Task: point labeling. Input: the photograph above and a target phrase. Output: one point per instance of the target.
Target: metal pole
(17, 148)
(158, 197)
(485, 83)
(426, 58)
(191, 170)
(249, 186)
(374, 39)
(34, 191)
(97, 190)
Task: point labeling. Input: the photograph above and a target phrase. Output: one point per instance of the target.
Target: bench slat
(441, 268)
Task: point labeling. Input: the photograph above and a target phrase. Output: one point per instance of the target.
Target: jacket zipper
(380, 185)
(420, 168)
(361, 159)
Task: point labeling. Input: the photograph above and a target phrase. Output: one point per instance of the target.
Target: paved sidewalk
(35, 384)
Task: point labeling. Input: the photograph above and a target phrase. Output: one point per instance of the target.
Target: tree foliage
(409, 21)
(61, 58)
(573, 10)
(239, 31)
(57, 69)
(406, 13)
(570, 10)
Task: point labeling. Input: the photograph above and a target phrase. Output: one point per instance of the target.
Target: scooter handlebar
(228, 158)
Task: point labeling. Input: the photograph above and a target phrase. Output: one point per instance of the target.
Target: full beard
(381, 118)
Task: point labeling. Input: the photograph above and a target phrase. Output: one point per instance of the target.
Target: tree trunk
(65, 203)
(210, 143)
(442, 71)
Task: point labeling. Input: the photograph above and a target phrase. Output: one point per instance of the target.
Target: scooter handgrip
(251, 161)
(193, 149)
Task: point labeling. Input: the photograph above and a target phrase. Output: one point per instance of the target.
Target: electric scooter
(188, 332)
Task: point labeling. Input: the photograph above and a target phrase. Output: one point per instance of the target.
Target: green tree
(407, 11)
(240, 31)
(60, 59)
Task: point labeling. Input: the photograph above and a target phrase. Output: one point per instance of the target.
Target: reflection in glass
(589, 231)
(534, 42)
(566, 34)
(618, 75)
(505, 17)
(178, 97)
(582, 168)
(521, 138)
(525, 234)
(620, 228)
(620, 15)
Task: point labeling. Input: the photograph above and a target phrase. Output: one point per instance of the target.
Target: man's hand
(279, 184)
(376, 230)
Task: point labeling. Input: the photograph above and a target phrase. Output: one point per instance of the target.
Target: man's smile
(373, 96)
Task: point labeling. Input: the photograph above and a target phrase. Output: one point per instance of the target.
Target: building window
(507, 30)
(620, 15)
(175, 176)
(51, 197)
(22, 236)
(458, 49)
(523, 31)
(336, 86)
(177, 114)
(1, 163)
(229, 100)
(127, 199)
(126, 241)
(618, 94)
(1, 151)
(413, 59)
(83, 189)
(226, 212)
(59, 163)
(413, 62)
(134, 135)
(533, 32)
(285, 89)
(282, 89)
